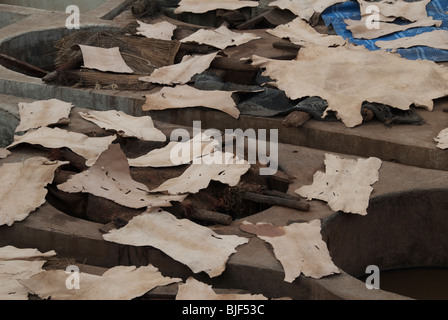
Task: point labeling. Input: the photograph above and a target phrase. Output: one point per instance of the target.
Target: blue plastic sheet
(335, 15)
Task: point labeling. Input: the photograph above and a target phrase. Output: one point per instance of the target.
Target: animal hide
(184, 96)
(349, 75)
(345, 185)
(110, 178)
(22, 187)
(102, 59)
(198, 247)
(220, 38)
(181, 73)
(89, 148)
(299, 248)
(201, 6)
(125, 125)
(43, 113)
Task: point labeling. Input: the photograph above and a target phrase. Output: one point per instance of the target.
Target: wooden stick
(249, 24)
(11, 62)
(286, 46)
(275, 193)
(196, 48)
(276, 201)
(211, 216)
(296, 119)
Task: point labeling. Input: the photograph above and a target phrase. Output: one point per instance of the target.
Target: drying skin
(11, 272)
(300, 32)
(360, 30)
(442, 139)
(299, 248)
(110, 178)
(177, 153)
(193, 289)
(198, 247)
(412, 11)
(181, 73)
(202, 6)
(345, 185)
(89, 148)
(16, 265)
(22, 187)
(184, 96)
(220, 38)
(12, 253)
(435, 39)
(107, 60)
(305, 8)
(127, 126)
(117, 283)
(43, 113)
(348, 75)
(4, 153)
(223, 167)
(160, 30)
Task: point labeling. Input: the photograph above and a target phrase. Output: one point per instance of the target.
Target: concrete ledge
(405, 144)
(254, 267)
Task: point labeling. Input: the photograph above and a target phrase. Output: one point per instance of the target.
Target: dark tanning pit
(8, 124)
(402, 234)
(418, 283)
(37, 48)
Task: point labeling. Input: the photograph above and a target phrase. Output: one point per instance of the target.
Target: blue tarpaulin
(335, 15)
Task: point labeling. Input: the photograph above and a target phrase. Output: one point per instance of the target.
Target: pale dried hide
(177, 153)
(102, 59)
(305, 8)
(348, 75)
(181, 73)
(22, 187)
(299, 248)
(198, 247)
(89, 148)
(434, 39)
(220, 38)
(125, 125)
(117, 283)
(442, 139)
(300, 32)
(4, 153)
(161, 30)
(10, 274)
(223, 167)
(43, 113)
(409, 10)
(193, 289)
(110, 178)
(201, 6)
(18, 264)
(360, 30)
(345, 185)
(30, 254)
(185, 96)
